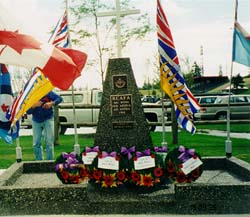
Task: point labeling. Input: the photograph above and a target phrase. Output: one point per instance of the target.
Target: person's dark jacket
(40, 114)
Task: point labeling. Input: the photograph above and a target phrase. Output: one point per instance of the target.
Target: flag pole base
(77, 149)
(18, 154)
(164, 144)
(228, 147)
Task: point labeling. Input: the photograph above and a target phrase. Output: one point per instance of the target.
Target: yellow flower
(109, 180)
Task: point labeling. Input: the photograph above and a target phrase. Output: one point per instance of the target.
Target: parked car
(206, 99)
(150, 99)
(239, 108)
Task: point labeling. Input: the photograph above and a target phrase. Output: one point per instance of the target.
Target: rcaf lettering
(121, 97)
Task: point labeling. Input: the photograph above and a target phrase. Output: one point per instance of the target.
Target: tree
(237, 81)
(196, 70)
(97, 31)
(220, 71)
(189, 79)
(187, 72)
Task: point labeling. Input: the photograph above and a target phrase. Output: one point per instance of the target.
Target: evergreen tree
(196, 70)
(237, 81)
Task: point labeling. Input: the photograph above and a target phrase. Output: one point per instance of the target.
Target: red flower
(135, 176)
(97, 174)
(195, 174)
(170, 167)
(100, 155)
(121, 175)
(65, 175)
(180, 166)
(74, 179)
(158, 172)
(83, 172)
(181, 177)
(108, 180)
(147, 180)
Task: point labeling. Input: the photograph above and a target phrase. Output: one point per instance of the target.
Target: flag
(36, 87)
(62, 66)
(60, 35)
(241, 45)
(172, 81)
(6, 99)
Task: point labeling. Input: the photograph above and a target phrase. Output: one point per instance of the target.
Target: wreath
(152, 176)
(70, 169)
(144, 169)
(183, 165)
(126, 174)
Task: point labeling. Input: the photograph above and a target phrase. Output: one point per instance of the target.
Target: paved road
(118, 215)
(86, 130)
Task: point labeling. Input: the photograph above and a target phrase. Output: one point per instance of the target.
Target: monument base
(30, 188)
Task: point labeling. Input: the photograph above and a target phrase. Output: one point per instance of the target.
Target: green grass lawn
(206, 145)
(241, 128)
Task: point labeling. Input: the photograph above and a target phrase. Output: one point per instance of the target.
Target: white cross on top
(118, 13)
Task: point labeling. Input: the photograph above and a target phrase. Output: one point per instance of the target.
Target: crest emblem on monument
(120, 82)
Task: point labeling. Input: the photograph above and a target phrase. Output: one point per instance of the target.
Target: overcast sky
(193, 23)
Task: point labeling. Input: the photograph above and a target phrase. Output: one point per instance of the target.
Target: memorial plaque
(120, 82)
(121, 105)
(123, 125)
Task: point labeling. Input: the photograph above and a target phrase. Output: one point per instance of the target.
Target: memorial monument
(122, 122)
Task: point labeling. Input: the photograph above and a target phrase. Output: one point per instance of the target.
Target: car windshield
(68, 98)
(207, 100)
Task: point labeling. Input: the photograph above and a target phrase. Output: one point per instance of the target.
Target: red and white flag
(61, 65)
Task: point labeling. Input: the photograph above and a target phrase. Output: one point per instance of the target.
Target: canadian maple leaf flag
(61, 65)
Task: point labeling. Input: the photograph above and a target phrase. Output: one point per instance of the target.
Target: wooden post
(174, 126)
(56, 125)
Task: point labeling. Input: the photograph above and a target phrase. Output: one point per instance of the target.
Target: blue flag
(241, 45)
(6, 99)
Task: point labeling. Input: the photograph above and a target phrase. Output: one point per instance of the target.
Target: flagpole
(228, 142)
(18, 151)
(76, 145)
(164, 143)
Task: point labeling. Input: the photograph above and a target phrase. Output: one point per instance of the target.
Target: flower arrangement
(104, 177)
(149, 174)
(70, 169)
(143, 169)
(183, 165)
(126, 174)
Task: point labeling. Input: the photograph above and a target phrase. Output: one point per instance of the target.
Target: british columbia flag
(172, 81)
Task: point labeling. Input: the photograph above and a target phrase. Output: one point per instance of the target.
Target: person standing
(43, 124)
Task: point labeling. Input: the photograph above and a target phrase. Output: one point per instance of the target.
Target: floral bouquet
(70, 169)
(108, 170)
(183, 165)
(146, 169)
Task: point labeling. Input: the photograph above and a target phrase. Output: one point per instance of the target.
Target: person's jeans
(46, 128)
